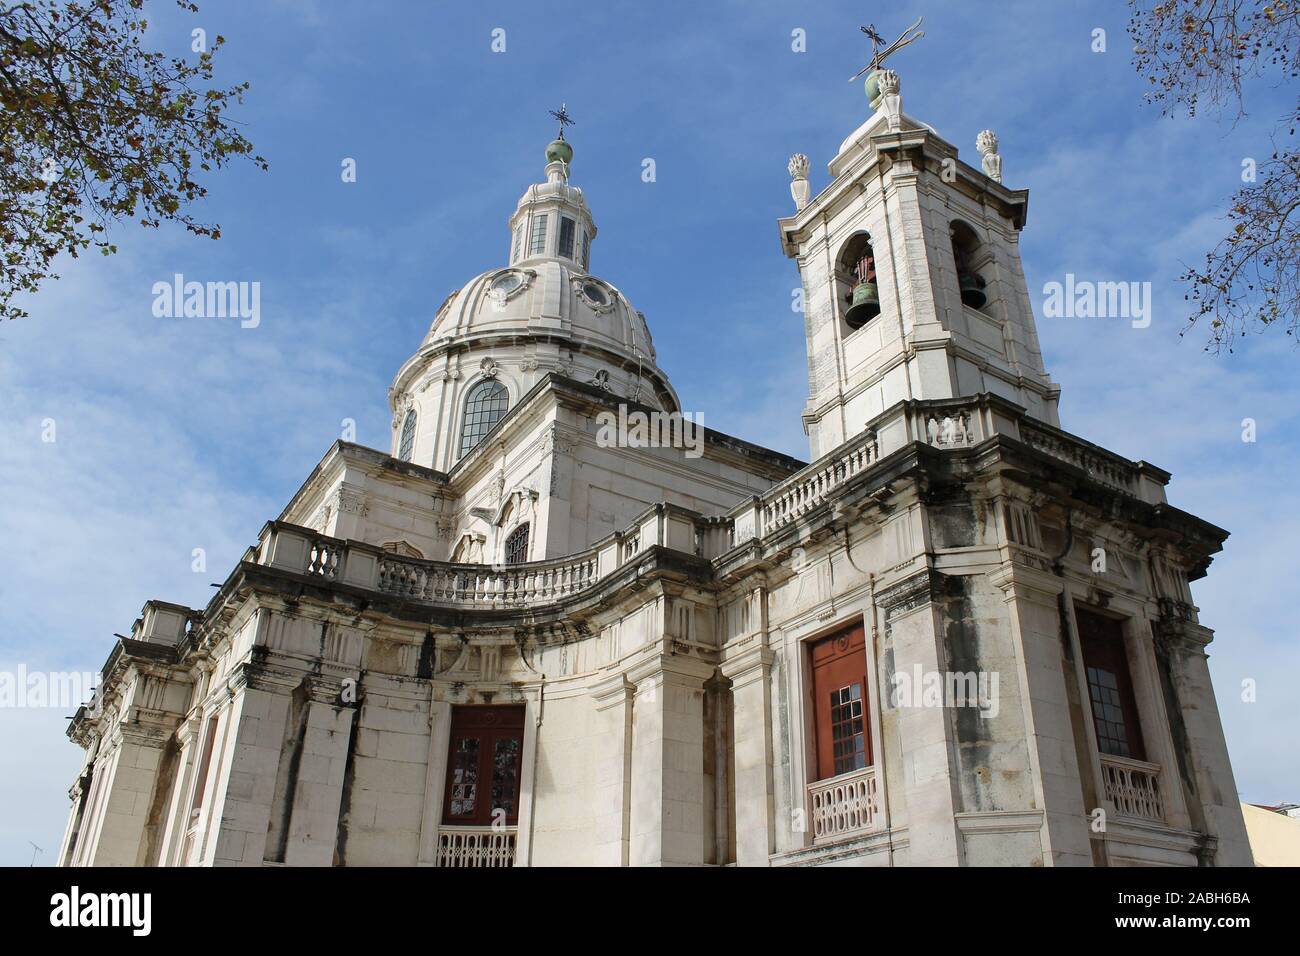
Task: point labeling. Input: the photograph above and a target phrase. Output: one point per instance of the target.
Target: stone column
(1032, 599)
(1198, 739)
(929, 802)
(613, 796)
(667, 808)
(313, 826)
(435, 779)
(258, 713)
(189, 738)
(527, 778)
(126, 801)
(750, 676)
(79, 794)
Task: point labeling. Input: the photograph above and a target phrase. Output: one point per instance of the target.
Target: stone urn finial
(799, 188)
(987, 143)
(890, 99)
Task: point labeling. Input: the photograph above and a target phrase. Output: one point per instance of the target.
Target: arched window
(968, 257)
(517, 545)
(407, 443)
(484, 405)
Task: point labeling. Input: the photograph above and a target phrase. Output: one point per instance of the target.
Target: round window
(594, 293)
(507, 282)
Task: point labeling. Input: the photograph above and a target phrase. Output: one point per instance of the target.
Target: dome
(541, 313)
(547, 298)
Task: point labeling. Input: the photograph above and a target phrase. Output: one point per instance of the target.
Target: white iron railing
(1133, 787)
(476, 846)
(844, 805)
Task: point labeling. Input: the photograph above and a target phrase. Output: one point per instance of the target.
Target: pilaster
(1033, 605)
(667, 807)
(613, 797)
(750, 674)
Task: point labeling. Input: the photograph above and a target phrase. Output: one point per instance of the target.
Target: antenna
(35, 850)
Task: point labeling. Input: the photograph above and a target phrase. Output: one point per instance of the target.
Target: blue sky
(175, 435)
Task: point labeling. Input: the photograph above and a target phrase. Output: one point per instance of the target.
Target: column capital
(679, 668)
(1030, 584)
(612, 691)
(749, 665)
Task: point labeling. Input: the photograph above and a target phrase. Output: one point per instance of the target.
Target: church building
(559, 622)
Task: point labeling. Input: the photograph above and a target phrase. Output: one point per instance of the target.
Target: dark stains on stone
(165, 781)
(349, 775)
(952, 521)
(974, 740)
(428, 663)
(286, 778)
(1166, 640)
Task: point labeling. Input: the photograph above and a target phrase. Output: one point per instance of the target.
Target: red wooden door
(483, 763)
(840, 703)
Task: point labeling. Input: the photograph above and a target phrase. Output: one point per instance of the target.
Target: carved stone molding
(911, 593)
(400, 407)
(352, 501)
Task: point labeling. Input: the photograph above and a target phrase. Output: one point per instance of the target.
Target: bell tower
(912, 286)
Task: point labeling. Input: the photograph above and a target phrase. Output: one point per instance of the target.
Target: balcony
(1133, 788)
(844, 806)
(476, 846)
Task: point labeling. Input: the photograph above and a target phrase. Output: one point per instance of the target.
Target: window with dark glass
(1110, 686)
(537, 241)
(484, 406)
(483, 763)
(517, 545)
(407, 443)
(566, 237)
(586, 250)
(840, 713)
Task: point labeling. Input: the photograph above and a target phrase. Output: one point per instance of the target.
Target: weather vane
(562, 114)
(878, 56)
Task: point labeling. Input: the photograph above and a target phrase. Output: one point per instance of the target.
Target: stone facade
(654, 634)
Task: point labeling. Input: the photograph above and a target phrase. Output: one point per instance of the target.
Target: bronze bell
(866, 304)
(972, 289)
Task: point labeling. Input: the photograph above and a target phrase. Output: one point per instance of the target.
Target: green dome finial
(558, 151)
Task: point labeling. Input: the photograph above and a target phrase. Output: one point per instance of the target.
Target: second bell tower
(912, 281)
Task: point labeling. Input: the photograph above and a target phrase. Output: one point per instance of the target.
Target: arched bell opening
(856, 281)
(968, 257)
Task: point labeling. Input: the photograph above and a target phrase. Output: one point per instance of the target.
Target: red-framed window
(841, 703)
(1110, 686)
(483, 765)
